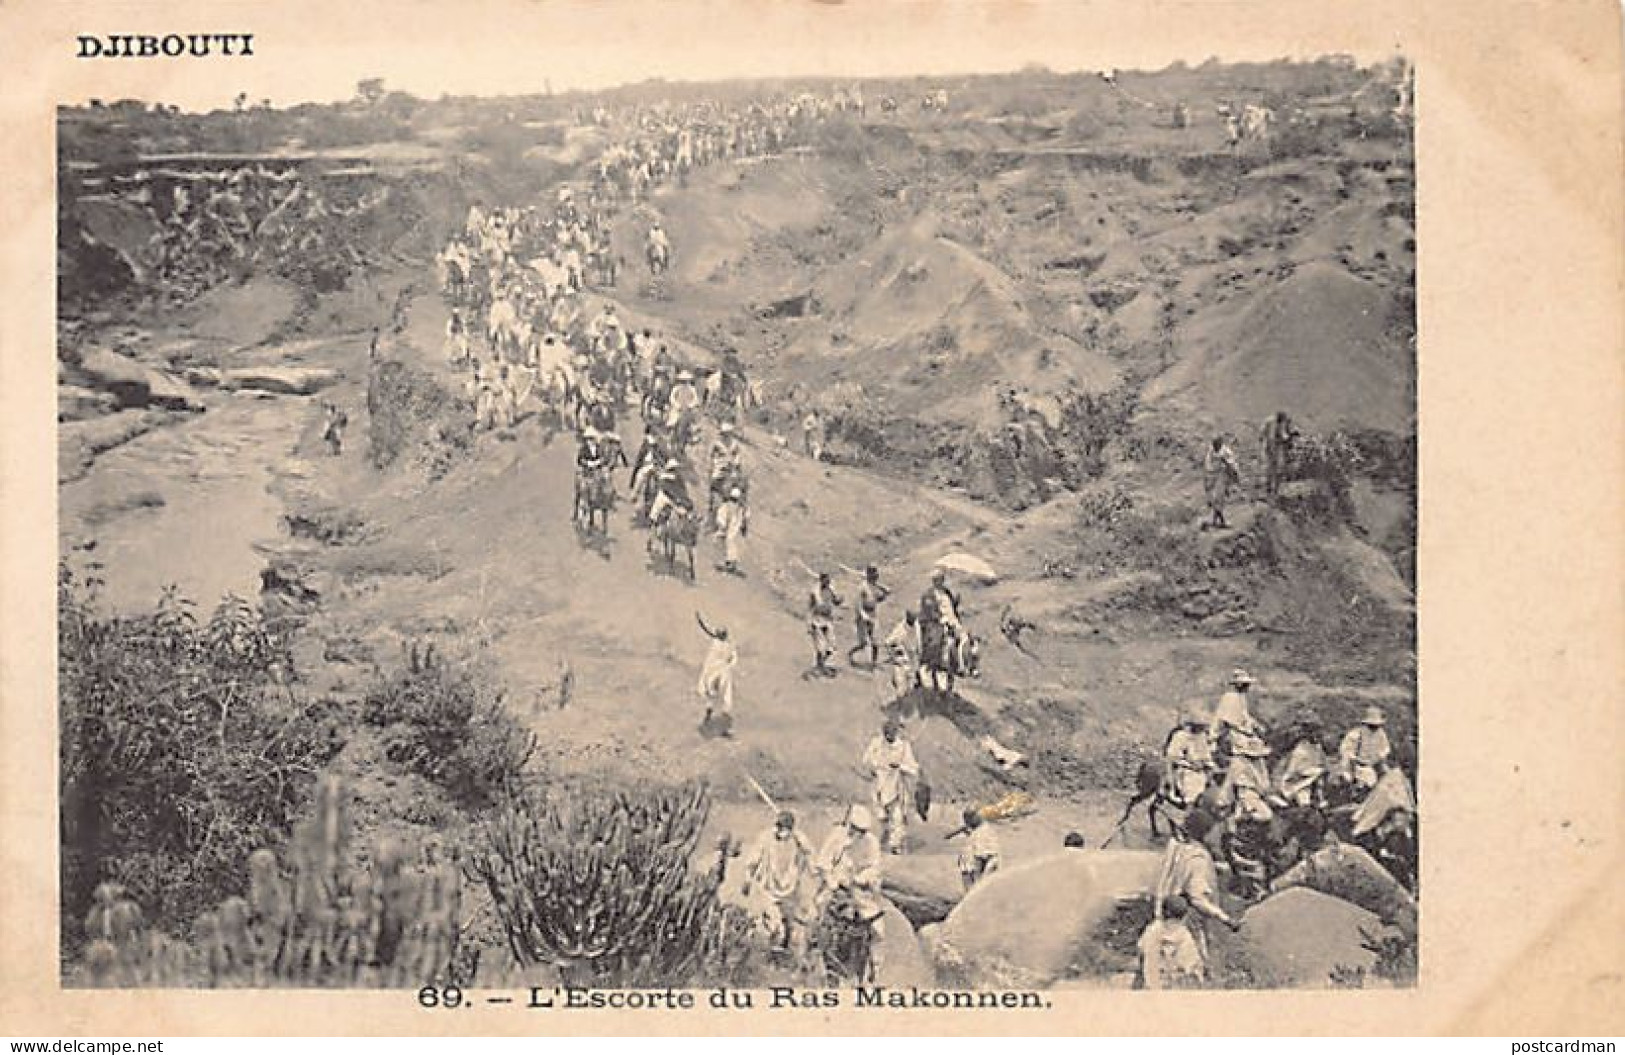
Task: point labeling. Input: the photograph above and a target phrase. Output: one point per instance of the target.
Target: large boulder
(1024, 926)
(77, 403)
(1350, 873)
(902, 960)
(282, 380)
(925, 887)
(135, 384)
(79, 442)
(1299, 938)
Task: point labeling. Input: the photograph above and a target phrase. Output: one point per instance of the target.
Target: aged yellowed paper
(812, 518)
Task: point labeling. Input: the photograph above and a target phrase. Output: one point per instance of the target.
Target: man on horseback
(671, 493)
(683, 401)
(940, 628)
(590, 461)
(1299, 781)
(1246, 793)
(658, 249)
(726, 458)
(1187, 761)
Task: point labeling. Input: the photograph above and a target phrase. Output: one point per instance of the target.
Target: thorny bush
(598, 885)
(442, 724)
(183, 747)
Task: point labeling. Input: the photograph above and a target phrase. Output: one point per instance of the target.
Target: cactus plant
(601, 888)
(312, 920)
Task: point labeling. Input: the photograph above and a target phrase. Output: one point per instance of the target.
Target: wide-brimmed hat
(726, 426)
(785, 819)
(685, 375)
(1373, 716)
(858, 817)
(1240, 677)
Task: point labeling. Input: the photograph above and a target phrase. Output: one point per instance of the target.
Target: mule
(679, 531)
(593, 505)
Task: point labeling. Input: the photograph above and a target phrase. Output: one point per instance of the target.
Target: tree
(240, 102)
(370, 90)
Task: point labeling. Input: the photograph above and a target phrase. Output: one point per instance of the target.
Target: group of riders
(668, 142)
(517, 281)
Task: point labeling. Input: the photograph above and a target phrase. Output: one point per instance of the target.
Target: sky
(306, 51)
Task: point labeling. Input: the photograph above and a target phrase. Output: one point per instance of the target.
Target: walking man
(778, 864)
(716, 685)
(1188, 872)
(731, 527)
(867, 616)
(1219, 473)
(903, 644)
(894, 769)
(821, 607)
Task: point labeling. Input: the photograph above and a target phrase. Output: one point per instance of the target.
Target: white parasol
(975, 567)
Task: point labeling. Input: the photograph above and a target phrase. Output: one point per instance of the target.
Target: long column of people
(531, 326)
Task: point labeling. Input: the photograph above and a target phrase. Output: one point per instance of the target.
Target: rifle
(762, 794)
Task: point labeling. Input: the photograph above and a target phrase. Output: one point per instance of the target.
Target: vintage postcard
(812, 518)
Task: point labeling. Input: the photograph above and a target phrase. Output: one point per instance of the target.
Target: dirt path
(186, 504)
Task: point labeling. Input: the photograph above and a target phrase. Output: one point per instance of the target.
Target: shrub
(598, 886)
(410, 413)
(183, 747)
(443, 725)
(1089, 423)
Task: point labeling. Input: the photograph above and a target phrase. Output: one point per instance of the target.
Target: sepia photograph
(905, 533)
(666, 511)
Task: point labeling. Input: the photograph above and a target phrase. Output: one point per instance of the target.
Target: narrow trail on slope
(535, 595)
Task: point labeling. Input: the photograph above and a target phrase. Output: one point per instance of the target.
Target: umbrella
(975, 567)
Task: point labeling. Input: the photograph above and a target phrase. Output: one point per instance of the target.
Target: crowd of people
(1227, 803)
(527, 322)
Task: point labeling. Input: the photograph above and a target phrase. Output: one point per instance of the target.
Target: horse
(680, 530)
(597, 497)
(1255, 851)
(951, 654)
(659, 258)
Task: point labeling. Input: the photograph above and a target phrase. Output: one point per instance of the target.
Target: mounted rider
(727, 463)
(940, 626)
(659, 248)
(1246, 794)
(1187, 760)
(1233, 715)
(591, 459)
(1300, 780)
(671, 493)
(1363, 754)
